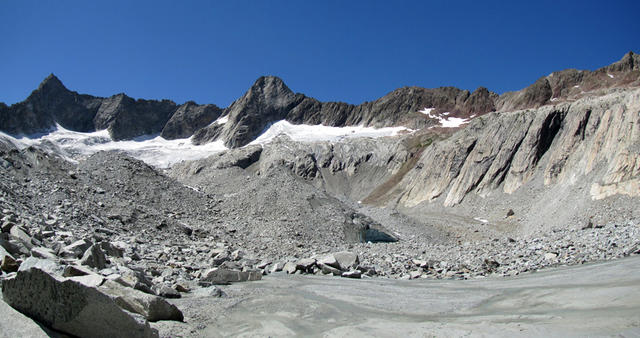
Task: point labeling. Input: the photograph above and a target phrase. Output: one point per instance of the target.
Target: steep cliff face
(189, 118)
(594, 138)
(267, 101)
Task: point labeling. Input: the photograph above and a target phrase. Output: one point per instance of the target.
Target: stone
(94, 257)
(277, 267)
(305, 264)
(346, 260)
(549, 256)
(226, 276)
(151, 307)
(510, 213)
(221, 257)
(111, 250)
(166, 291)
(181, 287)
(329, 260)
(20, 234)
(330, 270)
(352, 274)
(290, 267)
(7, 262)
(75, 249)
(6, 226)
(71, 307)
(13, 247)
(131, 278)
(415, 274)
(42, 252)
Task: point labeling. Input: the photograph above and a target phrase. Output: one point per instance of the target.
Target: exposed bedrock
(564, 142)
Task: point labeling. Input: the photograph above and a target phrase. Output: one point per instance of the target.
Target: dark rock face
(48, 104)
(126, 118)
(188, 119)
(267, 101)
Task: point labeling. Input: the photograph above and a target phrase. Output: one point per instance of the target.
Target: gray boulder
(7, 262)
(75, 249)
(42, 252)
(226, 276)
(346, 260)
(151, 307)
(71, 307)
(94, 257)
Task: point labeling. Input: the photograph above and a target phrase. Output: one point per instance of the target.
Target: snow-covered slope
(163, 153)
(311, 133)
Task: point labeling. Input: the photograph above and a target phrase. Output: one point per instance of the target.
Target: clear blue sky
(351, 51)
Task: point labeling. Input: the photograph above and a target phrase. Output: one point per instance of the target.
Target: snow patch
(427, 111)
(222, 120)
(609, 75)
(481, 220)
(445, 121)
(153, 150)
(315, 133)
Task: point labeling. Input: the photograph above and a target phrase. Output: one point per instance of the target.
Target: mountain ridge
(269, 100)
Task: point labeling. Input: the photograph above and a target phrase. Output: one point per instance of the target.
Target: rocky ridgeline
(270, 100)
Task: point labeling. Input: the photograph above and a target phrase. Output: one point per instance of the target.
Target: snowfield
(309, 133)
(162, 153)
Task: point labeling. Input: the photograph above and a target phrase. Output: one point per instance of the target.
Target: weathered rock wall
(564, 142)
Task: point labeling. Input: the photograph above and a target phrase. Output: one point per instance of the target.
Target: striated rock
(71, 307)
(505, 151)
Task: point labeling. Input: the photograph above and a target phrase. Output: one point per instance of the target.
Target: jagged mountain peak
(269, 87)
(629, 62)
(51, 83)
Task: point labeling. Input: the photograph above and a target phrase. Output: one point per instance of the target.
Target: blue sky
(351, 51)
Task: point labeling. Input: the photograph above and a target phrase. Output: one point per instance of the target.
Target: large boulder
(94, 257)
(153, 308)
(346, 260)
(71, 307)
(226, 276)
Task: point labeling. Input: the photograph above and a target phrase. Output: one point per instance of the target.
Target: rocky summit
(422, 185)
